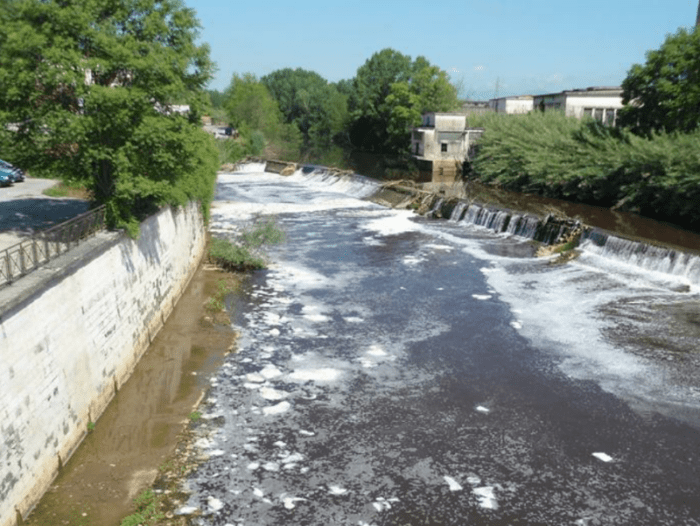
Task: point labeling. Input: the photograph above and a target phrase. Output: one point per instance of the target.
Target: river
(394, 369)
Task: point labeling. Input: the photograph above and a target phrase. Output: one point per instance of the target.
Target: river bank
(132, 443)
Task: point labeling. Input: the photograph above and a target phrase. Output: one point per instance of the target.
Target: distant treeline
(295, 114)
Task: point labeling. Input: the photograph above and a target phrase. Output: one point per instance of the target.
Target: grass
(244, 252)
(147, 511)
(64, 189)
(195, 415)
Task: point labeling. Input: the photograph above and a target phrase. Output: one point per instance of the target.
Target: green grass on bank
(245, 251)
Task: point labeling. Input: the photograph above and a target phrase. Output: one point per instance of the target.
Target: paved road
(25, 210)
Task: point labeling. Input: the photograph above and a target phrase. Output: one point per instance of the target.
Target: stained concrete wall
(68, 345)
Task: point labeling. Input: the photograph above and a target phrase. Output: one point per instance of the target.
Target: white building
(441, 145)
(516, 105)
(601, 103)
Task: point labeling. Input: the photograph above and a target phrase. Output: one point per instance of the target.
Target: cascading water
(393, 369)
(658, 259)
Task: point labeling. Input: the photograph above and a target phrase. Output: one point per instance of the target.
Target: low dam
(70, 335)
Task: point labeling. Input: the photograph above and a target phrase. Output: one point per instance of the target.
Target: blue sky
(489, 47)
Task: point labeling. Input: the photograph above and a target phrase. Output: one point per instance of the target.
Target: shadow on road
(26, 216)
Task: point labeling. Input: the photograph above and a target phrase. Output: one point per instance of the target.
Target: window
(588, 112)
(443, 147)
(610, 117)
(598, 114)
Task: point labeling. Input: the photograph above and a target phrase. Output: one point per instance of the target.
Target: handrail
(29, 254)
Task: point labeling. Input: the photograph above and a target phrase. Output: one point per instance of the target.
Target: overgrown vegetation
(244, 252)
(557, 156)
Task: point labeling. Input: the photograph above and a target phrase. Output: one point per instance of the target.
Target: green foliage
(389, 94)
(147, 513)
(195, 415)
(254, 112)
(584, 161)
(664, 92)
(217, 303)
(243, 253)
(90, 84)
(309, 102)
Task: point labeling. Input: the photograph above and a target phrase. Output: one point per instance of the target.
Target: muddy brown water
(140, 428)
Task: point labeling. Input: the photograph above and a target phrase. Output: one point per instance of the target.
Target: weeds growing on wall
(557, 156)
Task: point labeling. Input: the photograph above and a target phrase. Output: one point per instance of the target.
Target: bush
(244, 253)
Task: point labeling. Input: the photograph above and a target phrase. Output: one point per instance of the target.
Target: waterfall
(650, 257)
(458, 211)
(436, 208)
(354, 185)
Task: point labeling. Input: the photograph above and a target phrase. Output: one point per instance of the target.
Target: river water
(394, 369)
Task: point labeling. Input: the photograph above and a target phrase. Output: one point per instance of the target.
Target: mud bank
(133, 442)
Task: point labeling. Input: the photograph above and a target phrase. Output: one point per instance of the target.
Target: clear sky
(489, 47)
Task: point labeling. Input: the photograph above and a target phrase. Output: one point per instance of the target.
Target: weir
(549, 230)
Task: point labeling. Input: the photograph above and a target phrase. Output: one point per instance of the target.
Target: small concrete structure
(516, 105)
(601, 103)
(441, 145)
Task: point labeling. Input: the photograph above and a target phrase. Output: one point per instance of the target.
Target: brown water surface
(139, 430)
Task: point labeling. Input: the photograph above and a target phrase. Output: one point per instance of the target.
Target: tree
(252, 109)
(89, 84)
(664, 93)
(309, 102)
(389, 94)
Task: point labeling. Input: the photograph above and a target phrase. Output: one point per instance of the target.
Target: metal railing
(28, 255)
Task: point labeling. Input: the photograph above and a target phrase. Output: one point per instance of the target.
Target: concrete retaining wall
(67, 348)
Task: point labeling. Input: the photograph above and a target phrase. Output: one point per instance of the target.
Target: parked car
(16, 174)
(5, 177)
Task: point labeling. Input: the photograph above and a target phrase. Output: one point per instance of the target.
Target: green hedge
(557, 156)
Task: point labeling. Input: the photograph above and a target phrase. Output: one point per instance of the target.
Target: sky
(490, 48)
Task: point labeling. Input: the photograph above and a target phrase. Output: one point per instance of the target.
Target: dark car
(16, 174)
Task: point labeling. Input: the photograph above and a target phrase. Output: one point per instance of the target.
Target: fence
(28, 255)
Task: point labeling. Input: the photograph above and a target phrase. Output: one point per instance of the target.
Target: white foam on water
(336, 490)
(214, 504)
(481, 297)
(603, 456)
(452, 484)
(269, 393)
(517, 324)
(270, 371)
(306, 433)
(486, 497)
(255, 377)
(446, 248)
(322, 374)
(277, 409)
(353, 319)
(482, 409)
(290, 502)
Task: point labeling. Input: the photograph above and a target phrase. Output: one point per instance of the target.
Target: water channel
(394, 369)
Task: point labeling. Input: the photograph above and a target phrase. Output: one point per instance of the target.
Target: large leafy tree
(252, 109)
(88, 87)
(308, 101)
(389, 93)
(664, 93)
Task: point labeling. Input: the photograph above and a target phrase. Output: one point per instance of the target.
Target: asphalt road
(24, 210)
